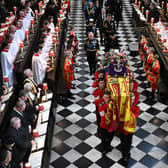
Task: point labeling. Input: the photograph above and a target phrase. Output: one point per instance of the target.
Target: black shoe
(104, 152)
(73, 86)
(152, 95)
(119, 147)
(70, 95)
(109, 148)
(98, 134)
(124, 161)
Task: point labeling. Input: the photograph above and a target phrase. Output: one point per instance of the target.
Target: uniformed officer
(98, 94)
(107, 134)
(91, 27)
(110, 39)
(91, 49)
(90, 12)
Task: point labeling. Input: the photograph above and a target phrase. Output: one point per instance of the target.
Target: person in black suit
(118, 11)
(18, 112)
(5, 157)
(30, 109)
(11, 3)
(153, 13)
(3, 11)
(23, 142)
(52, 9)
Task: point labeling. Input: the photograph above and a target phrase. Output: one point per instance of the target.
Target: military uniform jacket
(91, 45)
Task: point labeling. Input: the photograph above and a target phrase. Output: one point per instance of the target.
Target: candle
(157, 30)
(52, 57)
(40, 4)
(35, 133)
(36, 13)
(7, 19)
(162, 4)
(14, 9)
(59, 20)
(152, 21)
(27, 35)
(164, 40)
(36, 55)
(32, 24)
(21, 47)
(6, 79)
(45, 88)
(28, 165)
(2, 25)
(139, 4)
(55, 42)
(57, 29)
(11, 13)
(41, 107)
(61, 12)
(147, 13)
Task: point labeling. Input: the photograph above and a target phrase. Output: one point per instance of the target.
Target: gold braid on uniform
(109, 114)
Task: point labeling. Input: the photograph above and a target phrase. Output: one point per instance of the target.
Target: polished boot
(125, 160)
(70, 95)
(152, 95)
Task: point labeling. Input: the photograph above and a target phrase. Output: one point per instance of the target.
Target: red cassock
(142, 50)
(68, 73)
(154, 74)
(149, 62)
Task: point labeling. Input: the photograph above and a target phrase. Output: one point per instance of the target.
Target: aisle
(74, 143)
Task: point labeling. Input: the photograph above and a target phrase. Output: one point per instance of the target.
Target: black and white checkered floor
(75, 144)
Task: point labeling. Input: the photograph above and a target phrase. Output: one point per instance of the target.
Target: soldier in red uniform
(98, 74)
(68, 72)
(125, 136)
(153, 75)
(98, 94)
(106, 132)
